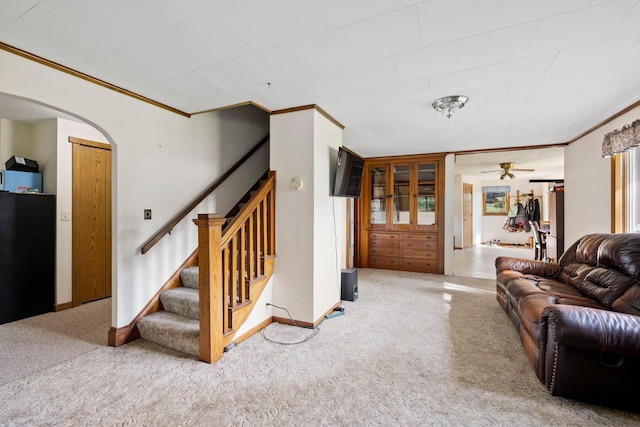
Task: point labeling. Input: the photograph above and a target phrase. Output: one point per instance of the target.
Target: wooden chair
(539, 242)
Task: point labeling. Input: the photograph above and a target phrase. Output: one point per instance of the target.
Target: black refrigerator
(27, 255)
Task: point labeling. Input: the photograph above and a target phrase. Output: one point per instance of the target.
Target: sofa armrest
(593, 329)
(528, 266)
(591, 354)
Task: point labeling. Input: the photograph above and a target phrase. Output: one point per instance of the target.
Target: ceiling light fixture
(448, 105)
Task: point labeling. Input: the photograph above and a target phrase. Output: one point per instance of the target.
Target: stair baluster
(228, 264)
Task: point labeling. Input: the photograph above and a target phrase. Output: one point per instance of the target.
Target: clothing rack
(530, 194)
(519, 215)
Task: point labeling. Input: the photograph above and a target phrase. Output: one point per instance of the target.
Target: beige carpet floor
(413, 350)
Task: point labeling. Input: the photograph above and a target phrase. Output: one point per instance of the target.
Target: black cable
(316, 330)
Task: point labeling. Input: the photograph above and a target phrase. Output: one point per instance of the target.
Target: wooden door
(467, 215)
(91, 221)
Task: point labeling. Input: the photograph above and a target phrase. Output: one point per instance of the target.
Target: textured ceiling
(536, 72)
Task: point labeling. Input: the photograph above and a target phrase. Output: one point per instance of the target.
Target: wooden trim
(328, 312)
(87, 143)
(86, 77)
(620, 197)
(128, 333)
(254, 330)
(122, 335)
(234, 226)
(605, 121)
(502, 149)
(63, 68)
(615, 199)
(287, 321)
(329, 117)
(63, 306)
(310, 107)
(240, 104)
(348, 227)
(168, 226)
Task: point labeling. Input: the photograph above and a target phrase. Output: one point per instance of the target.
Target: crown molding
(86, 77)
(310, 107)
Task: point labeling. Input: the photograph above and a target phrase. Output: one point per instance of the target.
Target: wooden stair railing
(229, 264)
(166, 228)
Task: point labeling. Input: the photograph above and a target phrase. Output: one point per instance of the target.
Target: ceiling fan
(507, 168)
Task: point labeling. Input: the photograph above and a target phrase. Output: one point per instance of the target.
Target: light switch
(64, 215)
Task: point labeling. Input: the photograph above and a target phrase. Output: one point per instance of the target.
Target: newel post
(210, 283)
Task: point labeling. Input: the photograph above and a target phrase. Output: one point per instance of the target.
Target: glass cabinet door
(426, 203)
(378, 195)
(401, 194)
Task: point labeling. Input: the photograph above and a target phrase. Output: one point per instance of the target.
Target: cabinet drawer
(384, 251)
(419, 253)
(431, 245)
(384, 243)
(384, 236)
(427, 266)
(384, 262)
(420, 237)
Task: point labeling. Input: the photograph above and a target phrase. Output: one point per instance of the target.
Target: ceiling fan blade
(498, 170)
(523, 170)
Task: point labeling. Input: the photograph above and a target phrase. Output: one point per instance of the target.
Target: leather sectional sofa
(579, 319)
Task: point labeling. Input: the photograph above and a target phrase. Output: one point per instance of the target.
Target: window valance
(496, 189)
(621, 140)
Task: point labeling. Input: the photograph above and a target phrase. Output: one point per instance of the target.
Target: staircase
(237, 255)
(178, 325)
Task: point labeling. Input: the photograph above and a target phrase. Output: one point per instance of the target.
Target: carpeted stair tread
(181, 300)
(189, 277)
(172, 330)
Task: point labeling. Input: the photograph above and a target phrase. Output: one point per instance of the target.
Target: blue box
(21, 182)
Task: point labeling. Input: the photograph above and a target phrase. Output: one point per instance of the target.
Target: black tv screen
(349, 170)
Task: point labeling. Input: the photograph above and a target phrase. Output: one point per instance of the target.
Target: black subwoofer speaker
(349, 288)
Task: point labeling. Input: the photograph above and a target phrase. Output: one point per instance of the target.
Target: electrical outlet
(147, 214)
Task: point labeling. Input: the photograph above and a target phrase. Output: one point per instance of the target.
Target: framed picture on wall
(495, 203)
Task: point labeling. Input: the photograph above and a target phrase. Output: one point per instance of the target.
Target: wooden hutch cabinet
(402, 214)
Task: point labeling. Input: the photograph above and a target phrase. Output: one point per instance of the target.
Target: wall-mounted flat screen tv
(348, 177)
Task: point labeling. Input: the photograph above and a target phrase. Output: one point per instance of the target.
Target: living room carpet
(414, 349)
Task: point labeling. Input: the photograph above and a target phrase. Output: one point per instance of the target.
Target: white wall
(587, 195)
(449, 206)
(292, 156)
(161, 160)
(476, 207)
(458, 212)
(307, 277)
(15, 140)
(62, 130)
(492, 226)
(329, 218)
(44, 146)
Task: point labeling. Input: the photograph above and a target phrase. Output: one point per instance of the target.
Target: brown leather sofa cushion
(573, 274)
(629, 302)
(621, 252)
(587, 250)
(605, 285)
